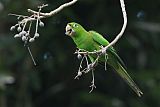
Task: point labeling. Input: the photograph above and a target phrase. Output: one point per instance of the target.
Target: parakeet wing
(102, 41)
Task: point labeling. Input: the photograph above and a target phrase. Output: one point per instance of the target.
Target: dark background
(52, 84)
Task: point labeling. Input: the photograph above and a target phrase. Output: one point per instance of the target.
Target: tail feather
(123, 73)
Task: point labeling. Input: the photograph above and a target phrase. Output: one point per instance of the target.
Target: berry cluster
(24, 34)
(24, 25)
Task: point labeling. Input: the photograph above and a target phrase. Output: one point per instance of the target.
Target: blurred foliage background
(52, 84)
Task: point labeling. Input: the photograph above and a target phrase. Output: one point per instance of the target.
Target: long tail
(123, 73)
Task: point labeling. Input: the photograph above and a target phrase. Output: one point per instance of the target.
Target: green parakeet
(91, 41)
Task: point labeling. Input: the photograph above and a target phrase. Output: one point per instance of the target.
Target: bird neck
(80, 37)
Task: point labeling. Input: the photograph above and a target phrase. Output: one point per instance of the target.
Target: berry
(24, 38)
(16, 36)
(41, 24)
(12, 28)
(22, 33)
(19, 29)
(79, 56)
(36, 35)
(31, 40)
(79, 73)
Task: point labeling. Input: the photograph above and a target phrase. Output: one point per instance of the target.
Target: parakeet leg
(91, 65)
(91, 58)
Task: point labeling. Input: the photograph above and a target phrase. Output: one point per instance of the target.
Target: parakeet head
(73, 29)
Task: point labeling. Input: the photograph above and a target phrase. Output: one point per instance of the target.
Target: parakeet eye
(75, 25)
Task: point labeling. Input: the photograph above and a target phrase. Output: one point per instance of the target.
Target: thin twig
(79, 70)
(92, 83)
(34, 62)
(106, 58)
(45, 15)
(124, 25)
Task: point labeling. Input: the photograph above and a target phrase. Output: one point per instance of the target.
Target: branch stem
(60, 8)
(34, 62)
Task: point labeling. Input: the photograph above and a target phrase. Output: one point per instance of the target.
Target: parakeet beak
(69, 30)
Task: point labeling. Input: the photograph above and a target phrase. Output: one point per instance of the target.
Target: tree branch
(124, 25)
(60, 8)
(103, 50)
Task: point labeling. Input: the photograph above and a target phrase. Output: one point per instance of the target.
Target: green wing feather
(102, 41)
(123, 73)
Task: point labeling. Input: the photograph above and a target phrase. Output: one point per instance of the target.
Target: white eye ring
(75, 25)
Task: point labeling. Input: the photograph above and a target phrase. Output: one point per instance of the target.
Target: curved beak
(69, 30)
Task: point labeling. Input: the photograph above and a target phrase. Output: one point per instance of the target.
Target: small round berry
(79, 73)
(41, 24)
(16, 36)
(19, 29)
(31, 40)
(27, 34)
(24, 38)
(79, 56)
(22, 33)
(12, 28)
(36, 35)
